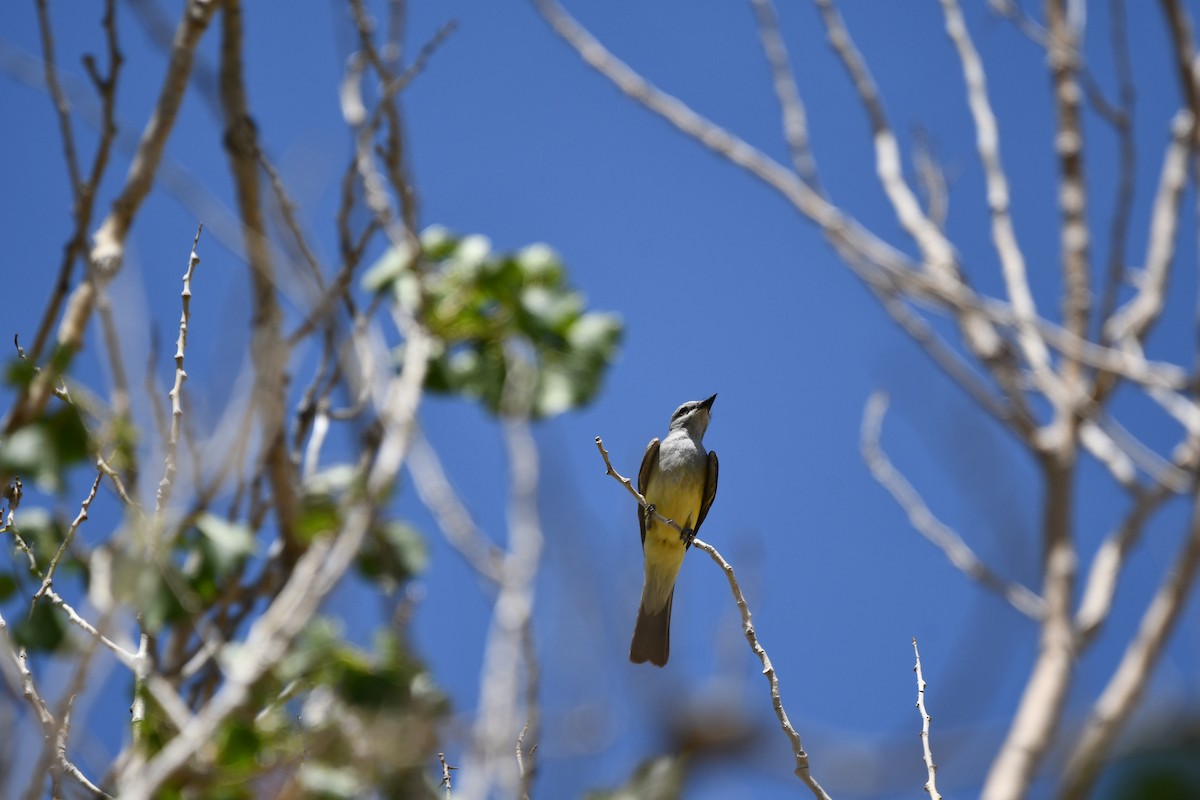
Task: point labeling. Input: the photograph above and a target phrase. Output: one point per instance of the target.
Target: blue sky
(723, 288)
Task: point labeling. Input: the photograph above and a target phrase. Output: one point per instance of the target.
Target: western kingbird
(679, 480)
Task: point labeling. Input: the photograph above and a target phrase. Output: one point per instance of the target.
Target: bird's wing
(710, 490)
(649, 461)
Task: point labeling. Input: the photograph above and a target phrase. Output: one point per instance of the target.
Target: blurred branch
(108, 248)
(1132, 321)
(1121, 118)
(268, 352)
(1004, 239)
(923, 520)
(1043, 700)
(500, 720)
(50, 727)
(795, 125)
(1131, 677)
(802, 771)
(1064, 58)
(83, 190)
(1108, 563)
(313, 576)
(453, 518)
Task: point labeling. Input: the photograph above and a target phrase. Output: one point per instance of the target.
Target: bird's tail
(652, 634)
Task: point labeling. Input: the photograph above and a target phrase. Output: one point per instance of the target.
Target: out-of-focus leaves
(1160, 764)
(332, 480)
(319, 516)
(42, 532)
(41, 631)
(46, 448)
(239, 745)
(8, 586)
(659, 778)
(326, 781)
(483, 307)
(393, 550)
(20, 373)
(142, 583)
(225, 543)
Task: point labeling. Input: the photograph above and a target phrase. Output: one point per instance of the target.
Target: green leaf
(225, 542)
(8, 586)
(552, 310)
(394, 550)
(240, 745)
(44, 449)
(138, 581)
(313, 648)
(659, 778)
(324, 780)
(481, 306)
(69, 434)
(387, 269)
(319, 516)
(540, 263)
(42, 631)
(41, 531)
(438, 243)
(20, 373)
(30, 453)
(331, 481)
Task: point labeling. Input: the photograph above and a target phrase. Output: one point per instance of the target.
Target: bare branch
(176, 394)
(795, 125)
(453, 518)
(48, 578)
(1042, 703)
(499, 720)
(1063, 51)
(1105, 571)
(936, 251)
(268, 351)
(1127, 684)
(1121, 118)
(1134, 318)
(807, 201)
(108, 249)
(930, 768)
(313, 576)
(987, 138)
(923, 520)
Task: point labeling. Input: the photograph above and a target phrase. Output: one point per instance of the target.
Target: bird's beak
(706, 404)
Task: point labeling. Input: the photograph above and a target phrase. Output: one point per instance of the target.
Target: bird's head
(693, 416)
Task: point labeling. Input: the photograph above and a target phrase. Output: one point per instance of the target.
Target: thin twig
(108, 250)
(176, 394)
(445, 774)
(48, 578)
(930, 767)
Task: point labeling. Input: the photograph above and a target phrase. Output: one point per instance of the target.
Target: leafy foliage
(486, 309)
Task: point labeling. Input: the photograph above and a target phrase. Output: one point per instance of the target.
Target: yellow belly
(663, 548)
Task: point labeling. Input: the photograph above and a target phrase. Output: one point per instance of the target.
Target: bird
(678, 478)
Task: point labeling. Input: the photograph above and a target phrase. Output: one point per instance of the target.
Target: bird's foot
(650, 511)
(687, 536)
